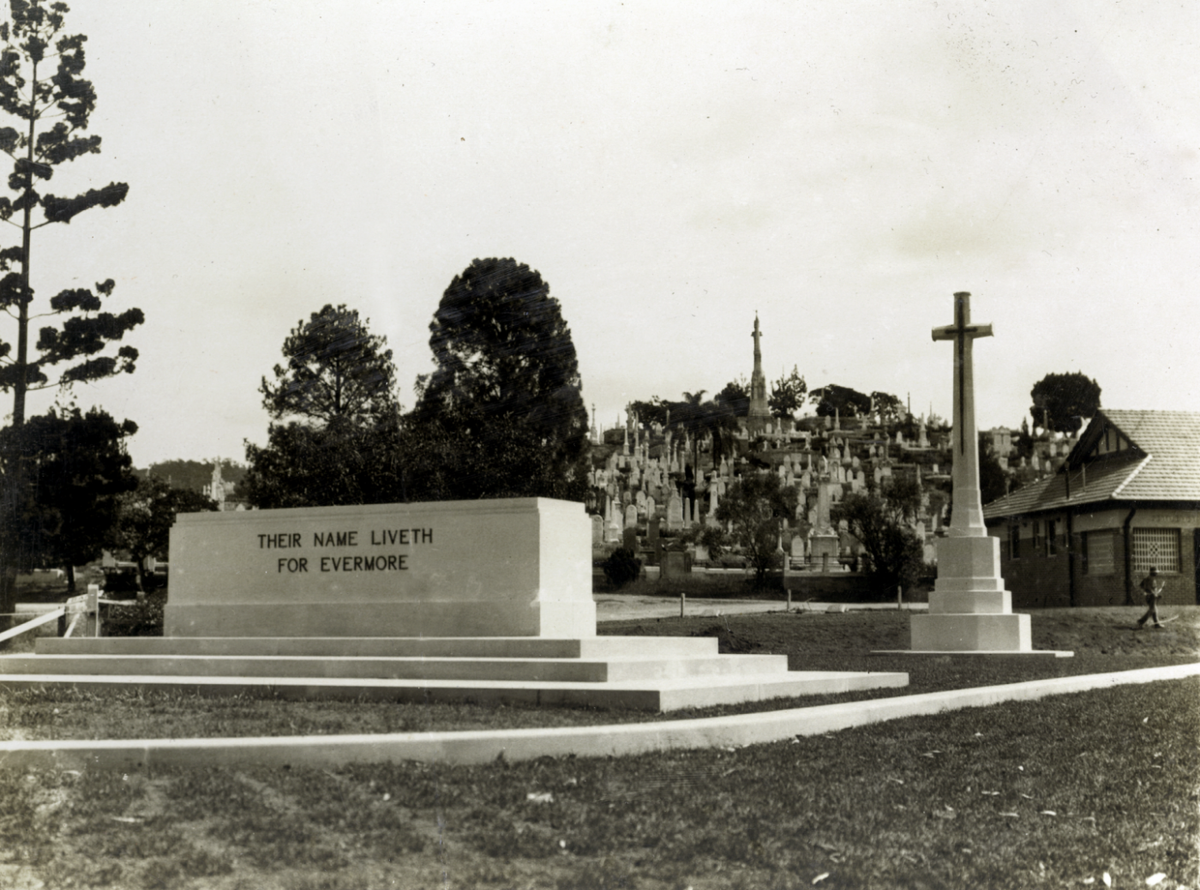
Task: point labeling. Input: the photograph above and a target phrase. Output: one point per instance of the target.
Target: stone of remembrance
(478, 600)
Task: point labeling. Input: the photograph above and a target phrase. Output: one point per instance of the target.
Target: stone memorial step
(661, 695)
(420, 668)
(385, 647)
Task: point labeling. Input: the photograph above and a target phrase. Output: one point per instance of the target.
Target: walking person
(1152, 587)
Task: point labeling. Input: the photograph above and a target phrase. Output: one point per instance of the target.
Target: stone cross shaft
(967, 520)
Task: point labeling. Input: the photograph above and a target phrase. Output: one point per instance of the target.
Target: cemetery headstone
(629, 538)
(674, 511)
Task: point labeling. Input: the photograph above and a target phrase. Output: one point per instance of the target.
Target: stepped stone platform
(456, 600)
(645, 673)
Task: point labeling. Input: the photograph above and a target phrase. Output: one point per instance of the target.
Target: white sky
(670, 168)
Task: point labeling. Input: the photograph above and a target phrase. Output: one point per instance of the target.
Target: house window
(1155, 548)
(1051, 544)
(1014, 541)
(1098, 553)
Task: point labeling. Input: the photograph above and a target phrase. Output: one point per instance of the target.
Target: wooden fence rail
(85, 608)
(45, 618)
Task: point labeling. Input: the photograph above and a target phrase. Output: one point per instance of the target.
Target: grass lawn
(1101, 638)
(1054, 793)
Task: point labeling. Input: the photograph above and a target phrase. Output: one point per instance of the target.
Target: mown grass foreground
(1056, 793)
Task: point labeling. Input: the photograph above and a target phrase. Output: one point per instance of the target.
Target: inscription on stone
(377, 562)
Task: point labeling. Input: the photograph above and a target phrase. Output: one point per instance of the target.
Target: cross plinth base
(971, 633)
(969, 609)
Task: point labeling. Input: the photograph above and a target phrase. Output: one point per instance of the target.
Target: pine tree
(42, 87)
(335, 368)
(43, 90)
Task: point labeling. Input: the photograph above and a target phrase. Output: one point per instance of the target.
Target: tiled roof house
(1127, 498)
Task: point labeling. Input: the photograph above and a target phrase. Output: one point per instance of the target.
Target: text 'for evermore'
(390, 562)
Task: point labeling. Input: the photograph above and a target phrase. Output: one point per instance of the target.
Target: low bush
(621, 567)
(123, 583)
(142, 618)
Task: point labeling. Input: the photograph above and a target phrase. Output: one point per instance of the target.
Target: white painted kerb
(526, 744)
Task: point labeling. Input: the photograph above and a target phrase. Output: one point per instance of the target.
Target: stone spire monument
(969, 609)
(760, 414)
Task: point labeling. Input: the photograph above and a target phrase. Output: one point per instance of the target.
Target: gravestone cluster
(651, 481)
(659, 483)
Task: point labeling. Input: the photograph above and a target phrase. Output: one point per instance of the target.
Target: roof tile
(1169, 469)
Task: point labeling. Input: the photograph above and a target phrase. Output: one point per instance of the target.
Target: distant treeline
(192, 474)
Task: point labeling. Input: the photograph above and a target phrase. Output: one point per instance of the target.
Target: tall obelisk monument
(969, 609)
(759, 415)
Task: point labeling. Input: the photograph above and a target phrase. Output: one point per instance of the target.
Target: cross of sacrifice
(962, 332)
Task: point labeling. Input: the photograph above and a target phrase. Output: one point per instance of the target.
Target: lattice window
(1155, 548)
(1098, 553)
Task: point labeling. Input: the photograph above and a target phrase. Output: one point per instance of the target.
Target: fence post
(682, 601)
(789, 599)
(899, 596)
(93, 611)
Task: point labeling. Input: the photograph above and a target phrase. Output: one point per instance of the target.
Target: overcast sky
(670, 168)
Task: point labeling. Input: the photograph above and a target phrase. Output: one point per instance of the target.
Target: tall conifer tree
(42, 88)
(43, 92)
(506, 384)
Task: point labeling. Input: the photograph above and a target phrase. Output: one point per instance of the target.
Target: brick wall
(1037, 580)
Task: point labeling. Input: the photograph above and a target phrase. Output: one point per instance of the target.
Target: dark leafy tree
(1062, 402)
(335, 368)
(1023, 441)
(711, 537)
(145, 516)
(882, 520)
(493, 460)
(889, 407)
(342, 462)
(194, 474)
(340, 381)
(735, 397)
(787, 395)
(936, 422)
(42, 88)
(842, 400)
(994, 482)
(506, 369)
(756, 505)
(690, 415)
(712, 418)
(622, 567)
(653, 410)
(70, 469)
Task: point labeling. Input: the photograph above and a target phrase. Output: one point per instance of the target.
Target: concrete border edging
(483, 746)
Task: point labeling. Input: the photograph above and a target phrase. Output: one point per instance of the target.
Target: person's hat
(1153, 570)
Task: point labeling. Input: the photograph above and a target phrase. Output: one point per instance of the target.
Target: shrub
(621, 567)
(712, 537)
(123, 583)
(137, 619)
